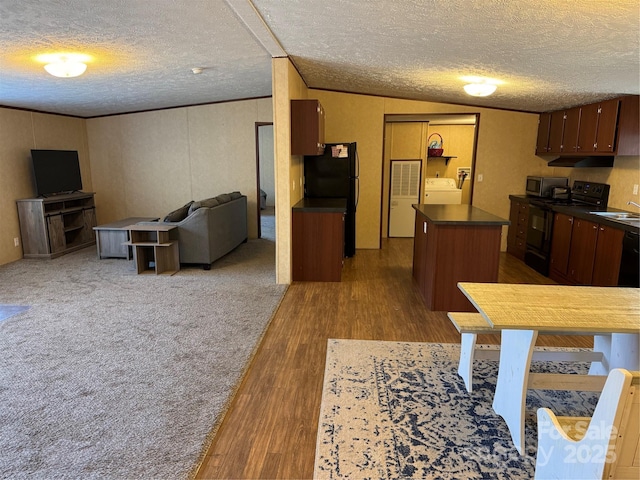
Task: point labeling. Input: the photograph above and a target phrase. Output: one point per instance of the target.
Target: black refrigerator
(334, 174)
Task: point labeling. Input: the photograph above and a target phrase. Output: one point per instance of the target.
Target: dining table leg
(619, 350)
(509, 401)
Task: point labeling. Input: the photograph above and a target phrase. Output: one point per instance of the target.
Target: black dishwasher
(630, 262)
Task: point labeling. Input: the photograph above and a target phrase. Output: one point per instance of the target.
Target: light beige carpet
(114, 375)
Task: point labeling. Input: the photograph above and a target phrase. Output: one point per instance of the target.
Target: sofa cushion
(206, 203)
(210, 202)
(178, 214)
(235, 195)
(224, 198)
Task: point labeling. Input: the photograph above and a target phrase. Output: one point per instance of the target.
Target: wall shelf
(442, 157)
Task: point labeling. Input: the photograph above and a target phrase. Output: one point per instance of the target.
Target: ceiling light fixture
(65, 65)
(480, 89)
(480, 86)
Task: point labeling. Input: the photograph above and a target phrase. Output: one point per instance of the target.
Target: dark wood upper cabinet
(628, 139)
(588, 128)
(542, 145)
(307, 127)
(571, 127)
(609, 127)
(556, 132)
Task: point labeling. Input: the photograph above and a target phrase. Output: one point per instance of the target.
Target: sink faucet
(633, 203)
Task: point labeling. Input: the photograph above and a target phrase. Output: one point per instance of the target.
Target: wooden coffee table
(111, 237)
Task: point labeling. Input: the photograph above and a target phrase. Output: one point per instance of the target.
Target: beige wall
(147, 164)
(458, 143)
(622, 177)
(21, 131)
(505, 151)
(289, 169)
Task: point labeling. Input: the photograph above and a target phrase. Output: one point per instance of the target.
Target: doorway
(265, 175)
(406, 136)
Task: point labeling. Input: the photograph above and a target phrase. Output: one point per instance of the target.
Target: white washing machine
(441, 191)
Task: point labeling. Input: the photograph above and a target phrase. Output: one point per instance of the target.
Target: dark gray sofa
(210, 228)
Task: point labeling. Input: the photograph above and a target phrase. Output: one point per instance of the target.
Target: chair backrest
(627, 443)
(561, 457)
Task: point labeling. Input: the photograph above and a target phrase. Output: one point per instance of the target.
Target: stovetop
(583, 194)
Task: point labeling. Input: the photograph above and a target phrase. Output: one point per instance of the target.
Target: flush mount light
(480, 89)
(64, 65)
(480, 86)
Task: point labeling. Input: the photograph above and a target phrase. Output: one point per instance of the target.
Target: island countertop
(458, 215)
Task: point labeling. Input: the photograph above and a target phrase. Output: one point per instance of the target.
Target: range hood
(583, 162)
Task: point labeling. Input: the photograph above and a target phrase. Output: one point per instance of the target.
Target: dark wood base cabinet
(318, 246)
(444, 255)
(517, 236)
(584, 252)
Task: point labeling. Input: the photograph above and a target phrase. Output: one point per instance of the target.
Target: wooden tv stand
(56, 225)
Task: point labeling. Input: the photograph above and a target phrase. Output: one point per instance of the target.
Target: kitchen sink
(618, 215)
(626, 218)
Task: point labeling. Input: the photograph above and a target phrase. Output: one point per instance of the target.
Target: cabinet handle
(595, 227)
(424, 227)
(602, 229)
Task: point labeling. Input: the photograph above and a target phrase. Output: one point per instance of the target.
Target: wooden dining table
(520, 312)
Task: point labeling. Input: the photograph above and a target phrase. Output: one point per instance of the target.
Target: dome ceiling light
(65, 65)
(480, 86)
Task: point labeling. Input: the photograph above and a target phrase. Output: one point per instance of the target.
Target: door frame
(259, 212)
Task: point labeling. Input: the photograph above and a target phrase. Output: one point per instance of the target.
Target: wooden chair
(603, 446)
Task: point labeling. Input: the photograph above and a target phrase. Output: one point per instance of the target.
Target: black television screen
(56, 171)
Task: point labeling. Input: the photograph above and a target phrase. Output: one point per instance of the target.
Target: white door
(405, 191)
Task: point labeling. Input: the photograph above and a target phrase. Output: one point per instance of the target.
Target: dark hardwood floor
(269, 430)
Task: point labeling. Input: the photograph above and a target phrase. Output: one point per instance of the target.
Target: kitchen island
(454, 243)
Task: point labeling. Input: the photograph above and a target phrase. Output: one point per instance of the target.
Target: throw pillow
(193, 207)
(235, 195)
(178, 214)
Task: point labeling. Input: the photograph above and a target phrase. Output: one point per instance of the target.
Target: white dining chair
(603, 446)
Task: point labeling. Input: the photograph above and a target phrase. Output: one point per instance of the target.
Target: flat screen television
(56, 171)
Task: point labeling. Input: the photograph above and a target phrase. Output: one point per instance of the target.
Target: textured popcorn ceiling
(548, 54)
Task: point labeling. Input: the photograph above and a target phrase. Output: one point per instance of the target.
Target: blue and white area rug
(400, 410)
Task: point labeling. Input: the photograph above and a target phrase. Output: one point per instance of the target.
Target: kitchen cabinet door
(561, 245)
(556, 130)
(571, 127)
(606, 264)
(517, 234)
(542, 145)
(583, 251)
(607, 123)
(307, 127)
(588, 128)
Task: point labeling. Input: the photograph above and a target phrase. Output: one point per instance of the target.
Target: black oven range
(590, 195)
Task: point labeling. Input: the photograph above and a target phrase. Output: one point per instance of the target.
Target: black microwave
(542, 186)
